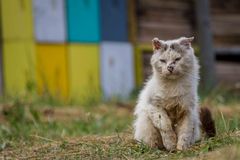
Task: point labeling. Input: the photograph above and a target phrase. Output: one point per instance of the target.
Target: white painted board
(117, 69)
(49, 19)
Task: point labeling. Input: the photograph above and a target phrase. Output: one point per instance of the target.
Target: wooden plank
(132, 20)
(226, 40)
(114, 18)
(228, 73)
(84, 77)
(207, 56)
(160, 24)
(159, 17)
(83, 20)
(229, 24)
(170, 4)
(117, 73)
(163, 32)
(139, 64)
(231, 6)
(19, 67)
(227, 51)
(49, 18)
(1, 55)
(160, 14)
(52, 70)
(17, 23)
(155, 19)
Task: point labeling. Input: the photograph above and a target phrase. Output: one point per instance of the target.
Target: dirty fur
(167, 111)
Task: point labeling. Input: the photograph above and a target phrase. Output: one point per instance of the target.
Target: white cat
(167, 111)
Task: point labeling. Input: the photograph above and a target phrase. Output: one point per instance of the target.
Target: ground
(33, 130)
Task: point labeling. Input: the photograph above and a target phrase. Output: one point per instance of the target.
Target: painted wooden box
(52, 70)
(114, 20)
(83, 20)
(84, 71)
(1, 71)
(49, 19)
(19, 63)
(117, 73)
(143, 53)
(17, 19)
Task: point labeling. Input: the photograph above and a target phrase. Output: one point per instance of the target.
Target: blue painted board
(83, 20)
(114, 25)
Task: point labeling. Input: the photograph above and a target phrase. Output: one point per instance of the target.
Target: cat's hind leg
(145, 132)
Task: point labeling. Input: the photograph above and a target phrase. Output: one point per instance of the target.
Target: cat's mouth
(172, 74)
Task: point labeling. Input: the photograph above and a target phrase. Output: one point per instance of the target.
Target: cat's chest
(171, 91)
(176, 115)
(173, 106)
(168, 103)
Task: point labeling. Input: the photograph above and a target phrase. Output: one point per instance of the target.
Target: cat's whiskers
(189, 74)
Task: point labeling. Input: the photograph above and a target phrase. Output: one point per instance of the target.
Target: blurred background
(71, 70)
(88, 49)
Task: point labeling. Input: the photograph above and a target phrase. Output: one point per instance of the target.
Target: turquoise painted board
(83, 20)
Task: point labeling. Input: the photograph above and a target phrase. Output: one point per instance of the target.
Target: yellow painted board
(19, 63)
(139, 49)
(84, 71)
(52, 75)
(17, 19)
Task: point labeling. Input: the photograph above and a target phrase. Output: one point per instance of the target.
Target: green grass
(30, 129)
(23, 120)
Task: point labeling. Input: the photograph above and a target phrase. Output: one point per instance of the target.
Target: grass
(33, 130)
(109, 147)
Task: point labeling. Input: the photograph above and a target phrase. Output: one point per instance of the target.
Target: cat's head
(173, 58)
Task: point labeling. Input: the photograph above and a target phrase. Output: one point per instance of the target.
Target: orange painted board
(52, 76)
(19, 63)
(84, 71)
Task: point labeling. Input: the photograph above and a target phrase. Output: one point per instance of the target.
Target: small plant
(19, 117)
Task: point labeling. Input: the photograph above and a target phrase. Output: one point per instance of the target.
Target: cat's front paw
(171, 146)
(170, 142)
(183, 145)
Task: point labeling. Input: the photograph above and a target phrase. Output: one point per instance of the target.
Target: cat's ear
(157, 44)
(186, 41)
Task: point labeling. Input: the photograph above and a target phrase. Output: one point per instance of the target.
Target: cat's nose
(170, 68)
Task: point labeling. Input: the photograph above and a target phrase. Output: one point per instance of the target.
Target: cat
(167, 111)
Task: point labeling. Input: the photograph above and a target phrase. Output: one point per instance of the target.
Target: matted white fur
(167, 111)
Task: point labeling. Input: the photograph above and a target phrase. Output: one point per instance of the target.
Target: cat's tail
(207, 121)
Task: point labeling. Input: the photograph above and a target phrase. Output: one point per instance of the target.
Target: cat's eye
(165, 48)
(177, 59)
(163, 60)
(174, 46)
